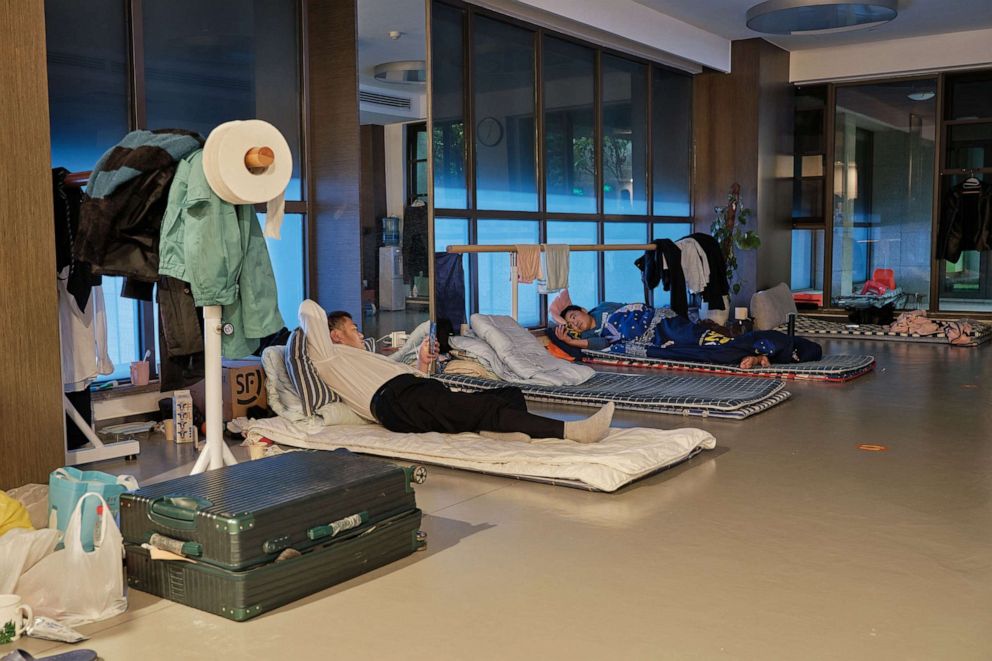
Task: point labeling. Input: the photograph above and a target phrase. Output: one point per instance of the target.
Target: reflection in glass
(672, 113)
(674, 232)
(624, 136)
(505, 160)
(622, 278)
(494, 270)
(883, 187)
(569, 125)
(87, 80)
(807, 261)
(212, 62)
(447, 106)
(583, 267)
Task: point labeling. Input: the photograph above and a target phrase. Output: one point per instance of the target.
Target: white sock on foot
(593, 429)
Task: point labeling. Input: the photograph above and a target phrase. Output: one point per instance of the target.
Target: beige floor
(787, 542)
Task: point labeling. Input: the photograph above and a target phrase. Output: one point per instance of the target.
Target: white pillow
(772, 307)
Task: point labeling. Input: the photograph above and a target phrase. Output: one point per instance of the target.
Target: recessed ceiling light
(407, 71)
(819, 16)
(923, 95)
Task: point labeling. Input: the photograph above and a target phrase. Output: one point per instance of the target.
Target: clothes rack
(100, 450)
(514, 296)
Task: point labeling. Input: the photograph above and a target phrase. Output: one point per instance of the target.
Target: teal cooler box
(258, 535)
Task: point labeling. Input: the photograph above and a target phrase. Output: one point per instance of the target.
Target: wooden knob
(259, 157)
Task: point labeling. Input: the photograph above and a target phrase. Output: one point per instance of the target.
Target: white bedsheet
(624, 456)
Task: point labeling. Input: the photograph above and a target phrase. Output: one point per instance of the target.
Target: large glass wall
(884, 149)
(241, 61)
(609, 160)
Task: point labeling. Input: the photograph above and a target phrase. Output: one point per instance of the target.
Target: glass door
(883, 190)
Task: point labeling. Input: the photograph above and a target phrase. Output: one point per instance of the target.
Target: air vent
(385, 100)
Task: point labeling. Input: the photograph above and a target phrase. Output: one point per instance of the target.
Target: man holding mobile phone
(403, 399)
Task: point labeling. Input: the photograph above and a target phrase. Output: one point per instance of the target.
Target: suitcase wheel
(421, 538)
(419, 474)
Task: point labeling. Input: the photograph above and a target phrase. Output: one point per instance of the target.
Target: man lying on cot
(402, 399)
(618, 328)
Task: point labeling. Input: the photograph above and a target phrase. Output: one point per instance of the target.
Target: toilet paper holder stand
(215, 453)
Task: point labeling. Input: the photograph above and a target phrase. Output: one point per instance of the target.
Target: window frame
(542, 215)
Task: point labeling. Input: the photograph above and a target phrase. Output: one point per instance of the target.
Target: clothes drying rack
(215, 453)
(514, 272)
(100, 450)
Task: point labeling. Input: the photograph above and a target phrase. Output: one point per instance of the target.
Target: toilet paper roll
(232, 181)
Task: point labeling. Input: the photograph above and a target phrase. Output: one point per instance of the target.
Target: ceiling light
(409, 72)
(923, 95)
(819, 16)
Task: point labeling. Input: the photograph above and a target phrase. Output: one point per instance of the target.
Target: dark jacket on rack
(126, 196)
(718, 286)
(672, 278)
(965, 222)
(67, 201)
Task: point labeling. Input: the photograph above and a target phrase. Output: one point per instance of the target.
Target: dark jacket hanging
(965, 222)
(67, 200)
(449, 288)
(126, 196)
(671, 278)
(718, 286)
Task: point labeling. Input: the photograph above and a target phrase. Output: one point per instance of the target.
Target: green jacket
(218, 248)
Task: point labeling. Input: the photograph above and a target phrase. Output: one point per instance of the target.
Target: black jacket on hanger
(965, 222)
(718, 286)
(672, 278)
(67, 201)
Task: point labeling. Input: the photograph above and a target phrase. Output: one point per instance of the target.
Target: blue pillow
(313, 392)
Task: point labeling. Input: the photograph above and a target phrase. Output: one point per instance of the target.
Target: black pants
(412, 404)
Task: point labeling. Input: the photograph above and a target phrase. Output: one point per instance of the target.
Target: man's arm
(595, 343)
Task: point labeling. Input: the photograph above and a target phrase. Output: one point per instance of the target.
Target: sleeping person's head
(578, 318)
(344, 330)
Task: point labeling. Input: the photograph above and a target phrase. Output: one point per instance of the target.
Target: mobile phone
(433, 334)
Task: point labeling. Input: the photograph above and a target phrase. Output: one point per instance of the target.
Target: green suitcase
(241, 595)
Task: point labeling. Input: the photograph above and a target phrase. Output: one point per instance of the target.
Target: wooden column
(742, 130)
(373, 199)
(33, 442)
(334, 177)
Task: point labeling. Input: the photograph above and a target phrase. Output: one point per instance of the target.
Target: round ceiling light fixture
(922, 95)
(819, 16)
(409, 72)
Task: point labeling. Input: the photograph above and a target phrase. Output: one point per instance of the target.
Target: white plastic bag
(20, 550)
(34, 497)
(76, 587)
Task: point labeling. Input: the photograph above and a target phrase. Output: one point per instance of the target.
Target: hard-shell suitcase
(240, 595)
(245, 515)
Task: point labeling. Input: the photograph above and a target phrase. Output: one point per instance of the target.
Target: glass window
(454, 231)
(883, 186)
(447, 107)
(211, 62)
(569, 127)
(674, 232)
(494, 270)
(505, 159)
(87, 80)
(624, 136)
(286, 254)
(623, 279)
(583, 267)
(807, 261)
(123, 341)
(808, 155)
(671, 121)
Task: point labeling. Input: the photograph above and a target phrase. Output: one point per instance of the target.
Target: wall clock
(489, 131)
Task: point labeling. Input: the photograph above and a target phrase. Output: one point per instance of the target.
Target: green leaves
(728, 230)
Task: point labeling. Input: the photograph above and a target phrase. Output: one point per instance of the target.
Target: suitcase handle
(177, 511)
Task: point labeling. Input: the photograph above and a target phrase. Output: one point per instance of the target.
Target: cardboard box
(243, 386)
(182, 416)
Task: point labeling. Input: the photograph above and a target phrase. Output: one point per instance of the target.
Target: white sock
(593, 429)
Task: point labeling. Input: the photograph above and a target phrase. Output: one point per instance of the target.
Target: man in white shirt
(402, 399)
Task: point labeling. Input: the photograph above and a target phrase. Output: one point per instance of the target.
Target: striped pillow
(313, 392)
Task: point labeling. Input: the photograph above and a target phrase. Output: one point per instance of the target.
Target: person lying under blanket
(640, 329)
(403, 399)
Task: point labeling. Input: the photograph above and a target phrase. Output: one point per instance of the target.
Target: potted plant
(729, 230)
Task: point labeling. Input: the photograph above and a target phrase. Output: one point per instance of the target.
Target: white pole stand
(215, 453)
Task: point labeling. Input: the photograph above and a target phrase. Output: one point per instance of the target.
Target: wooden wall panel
(30, 370)
(334, 177)
(373, 199)
(742, 128)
